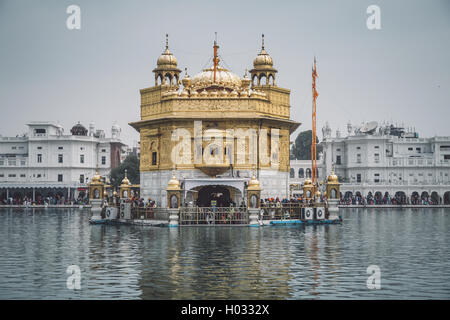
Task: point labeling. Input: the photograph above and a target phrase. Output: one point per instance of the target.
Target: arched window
(308, 173)
(262, 79)
(301, 173)
(333, 194)
(255, 77)
(292, 173)
(168, 78)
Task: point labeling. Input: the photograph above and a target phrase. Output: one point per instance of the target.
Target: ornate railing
(279, 211)
(149, 213)
(213, 216)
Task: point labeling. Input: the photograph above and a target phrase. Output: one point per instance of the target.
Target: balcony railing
(149, 213)
(213, 216)
(289, 210)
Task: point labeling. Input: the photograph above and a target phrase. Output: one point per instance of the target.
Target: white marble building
(301, 170)
(46, 161)
(388, 159)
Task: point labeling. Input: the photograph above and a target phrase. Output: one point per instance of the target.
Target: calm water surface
(411, 247)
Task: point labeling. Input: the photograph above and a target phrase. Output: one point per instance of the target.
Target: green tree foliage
(131, 163)
(301, 149)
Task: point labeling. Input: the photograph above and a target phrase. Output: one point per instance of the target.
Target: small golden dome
(307, 182)
(105, 193)
(186, 80)
(173, 184)
(245, 81)
(318, 193)
(96, 178)
(167, 59)
(333, 177)
(115, 193)
(125, 181)
(262, 60)
(254, 183)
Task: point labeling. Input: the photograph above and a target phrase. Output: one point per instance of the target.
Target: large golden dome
(224, 79)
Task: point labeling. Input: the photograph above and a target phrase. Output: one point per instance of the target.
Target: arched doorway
(415, 198)
(435, 197)
(348, 195)
(378, 197)
(220, 194)
(292, 173)
(308, 173)
(447, 197)
(400, 197)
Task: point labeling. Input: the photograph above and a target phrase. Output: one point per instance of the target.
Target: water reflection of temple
(225, 263)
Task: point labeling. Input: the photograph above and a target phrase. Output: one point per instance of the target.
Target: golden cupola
(96, 178)
(173, 184)
(332, 178)
(186, 80)
(254, 184)
(167, 60)
(125, 181)
(263, 72)
(263, 60)
(166, 72)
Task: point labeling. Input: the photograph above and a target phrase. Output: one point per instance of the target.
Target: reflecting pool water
(410, 246)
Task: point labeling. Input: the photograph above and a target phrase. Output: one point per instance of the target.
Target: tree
(301, 149)
(131, 164)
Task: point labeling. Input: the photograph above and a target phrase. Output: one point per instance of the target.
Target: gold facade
(223, 103)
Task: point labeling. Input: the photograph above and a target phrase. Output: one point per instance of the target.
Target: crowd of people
(388, 200)
(267, 202)
(49, 200)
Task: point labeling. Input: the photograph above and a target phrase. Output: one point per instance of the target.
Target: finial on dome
(167, 41)
(262, 42)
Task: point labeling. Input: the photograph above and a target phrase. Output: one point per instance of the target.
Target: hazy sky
(399, 73)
